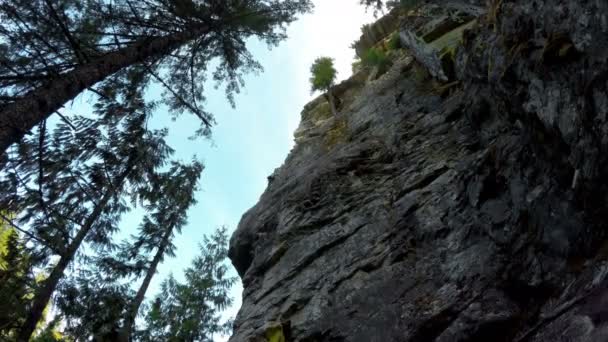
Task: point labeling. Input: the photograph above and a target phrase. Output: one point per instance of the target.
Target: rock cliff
(458, 197)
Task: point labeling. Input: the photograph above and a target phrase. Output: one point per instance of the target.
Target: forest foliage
(69, 269)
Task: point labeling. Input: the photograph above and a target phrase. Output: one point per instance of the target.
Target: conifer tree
(323, 78)
(67, 180)
(52, 51)
(94, 304)
(91, 303)
(68, 186)
(96, 300)
(170, 200)
(190, 311)
(99, 222)
(15, 280)
(18, 280)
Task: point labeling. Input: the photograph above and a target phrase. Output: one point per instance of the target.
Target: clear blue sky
(253, 139)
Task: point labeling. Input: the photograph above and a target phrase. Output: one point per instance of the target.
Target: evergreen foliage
(376, 5)
(323, 78)
(92, 304)
(51, 333)
(394, 42)
(375, 57)
(190, 311)
(168, 209)
(67, 182)
(323, 74)
(16, 280)
(70, 185)
(52, 51)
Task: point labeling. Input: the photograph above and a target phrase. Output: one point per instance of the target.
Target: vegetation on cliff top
(323, 78)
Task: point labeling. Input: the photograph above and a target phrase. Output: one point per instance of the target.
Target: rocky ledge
(458, 197)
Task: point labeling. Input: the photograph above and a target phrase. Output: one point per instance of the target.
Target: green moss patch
(339, 133)
(275, 334)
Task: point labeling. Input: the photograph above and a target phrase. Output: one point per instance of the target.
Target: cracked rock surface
(477, 214)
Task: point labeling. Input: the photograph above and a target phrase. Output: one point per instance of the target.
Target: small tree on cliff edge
(323, 78)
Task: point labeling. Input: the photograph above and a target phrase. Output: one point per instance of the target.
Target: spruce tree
(52, 51)
(190, 311)
(91, 303)
(100, 221)
(169, 202)
(68, 186)
(16, 280)
(95, 301)
(323, 78)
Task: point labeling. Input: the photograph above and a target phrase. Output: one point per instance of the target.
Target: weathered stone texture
(418, 217)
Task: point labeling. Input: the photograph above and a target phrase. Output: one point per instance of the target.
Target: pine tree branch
(29, 30)
(193, 109)
(64, 119)
(86, 192)
(42, 202)
(18, 118)
(80, 56)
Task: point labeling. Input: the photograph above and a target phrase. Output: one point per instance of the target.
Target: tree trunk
(44, 293)
(19, 117)
(125, 334)
(332, 103)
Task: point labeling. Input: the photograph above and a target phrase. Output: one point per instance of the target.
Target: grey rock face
(374, 33)
(434, 31)
(418, 217)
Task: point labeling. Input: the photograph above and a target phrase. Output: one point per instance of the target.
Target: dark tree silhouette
(52, 51)
(190, 311)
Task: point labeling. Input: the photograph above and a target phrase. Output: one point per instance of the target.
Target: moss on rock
(339, 133)
(275, 334)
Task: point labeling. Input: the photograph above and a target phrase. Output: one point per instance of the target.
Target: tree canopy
(323, 74)
(323, 78)
(190, 311)
(52, 51)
